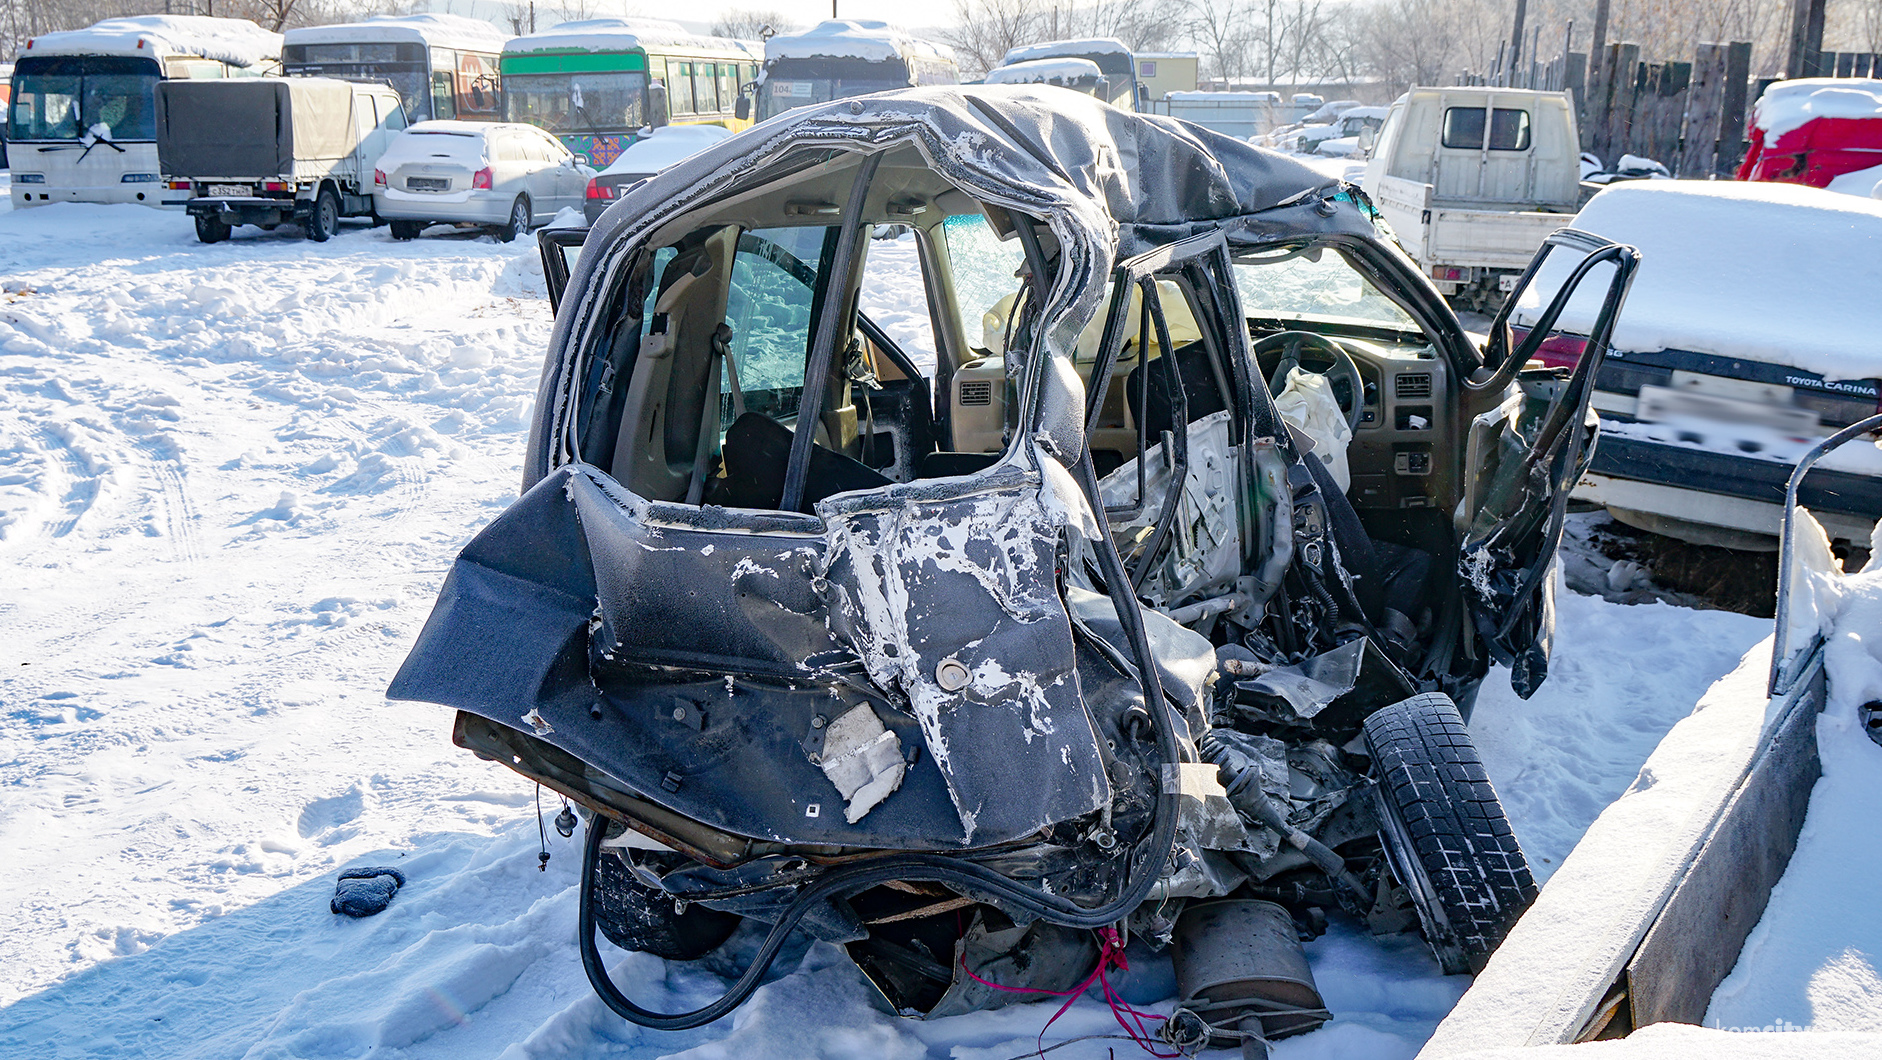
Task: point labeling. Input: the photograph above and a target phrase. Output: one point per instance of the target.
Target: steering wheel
(1290, 345)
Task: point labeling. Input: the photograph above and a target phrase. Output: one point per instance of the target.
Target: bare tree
(743, 23)
(986, 30)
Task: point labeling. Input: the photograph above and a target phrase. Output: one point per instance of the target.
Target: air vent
(976, 391)
(1412, 386)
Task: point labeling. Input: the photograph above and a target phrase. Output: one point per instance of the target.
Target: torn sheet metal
(922, 575)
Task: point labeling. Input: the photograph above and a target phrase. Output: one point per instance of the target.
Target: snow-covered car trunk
(1744, 344)
(829, 642)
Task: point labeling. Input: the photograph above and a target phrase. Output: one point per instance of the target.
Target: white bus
(82, 120)
(1117, 67)
(443, 66)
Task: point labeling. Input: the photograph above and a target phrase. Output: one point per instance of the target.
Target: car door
(1524, 456)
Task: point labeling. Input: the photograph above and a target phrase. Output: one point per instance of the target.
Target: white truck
(1472, 180)
(269, 150)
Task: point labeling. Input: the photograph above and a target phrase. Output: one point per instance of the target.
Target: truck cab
(1473, 179)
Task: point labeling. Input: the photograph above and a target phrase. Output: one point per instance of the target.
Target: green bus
(587, 82)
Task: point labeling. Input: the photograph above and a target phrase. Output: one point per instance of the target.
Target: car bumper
(250, 211)
(481, 207)
(26, 196)
(1684, 484)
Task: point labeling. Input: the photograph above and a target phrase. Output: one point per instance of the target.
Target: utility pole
(532, 16)
(1516, 34)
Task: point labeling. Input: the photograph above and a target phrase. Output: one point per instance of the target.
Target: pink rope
(1110, 952)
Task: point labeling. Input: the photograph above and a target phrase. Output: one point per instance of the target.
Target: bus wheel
(211, 229)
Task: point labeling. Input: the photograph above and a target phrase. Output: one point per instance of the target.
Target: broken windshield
(1313, 283)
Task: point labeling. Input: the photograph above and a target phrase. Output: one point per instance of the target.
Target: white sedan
(509, 177)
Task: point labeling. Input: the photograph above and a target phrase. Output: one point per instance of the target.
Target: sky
(702, 12)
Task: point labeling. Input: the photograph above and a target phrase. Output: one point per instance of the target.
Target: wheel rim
(519, 217)
(329, 216)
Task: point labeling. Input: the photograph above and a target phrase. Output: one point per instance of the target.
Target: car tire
(636, 917)
(324, 222)
(518, 224)
(403, 230)
(1444, 831)
(211, 229)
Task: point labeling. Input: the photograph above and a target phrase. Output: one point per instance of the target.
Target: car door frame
(1505, 557)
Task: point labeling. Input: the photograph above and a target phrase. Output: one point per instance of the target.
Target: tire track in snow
(179, 514)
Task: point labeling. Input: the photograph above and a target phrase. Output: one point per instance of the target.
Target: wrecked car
(1148, 617)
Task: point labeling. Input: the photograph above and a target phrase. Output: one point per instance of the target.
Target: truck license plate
(230, 191)
(426, 184)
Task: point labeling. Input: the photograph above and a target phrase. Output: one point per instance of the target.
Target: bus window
(728, 86)
(705, 87)
(443, 94)
(478, 85)
(680, 88)
(193, 69)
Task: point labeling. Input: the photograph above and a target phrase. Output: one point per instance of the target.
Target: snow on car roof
(1225, 97)
(622, 34)
(235, 41)
(665, 146)
(1779, 273)
(1790, 105)
(868, 40)
(435, 29)
(1035, 70)
(1053, 49)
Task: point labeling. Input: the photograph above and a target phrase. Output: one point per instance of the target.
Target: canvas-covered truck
(268, 151)
(1472, 180)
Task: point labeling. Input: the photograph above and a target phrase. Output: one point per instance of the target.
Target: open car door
(559, 248)
(1524, 457)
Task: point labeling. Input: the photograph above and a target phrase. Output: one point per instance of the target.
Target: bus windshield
(577, 103)
(801, 82)
(403, 66)
(62, 97)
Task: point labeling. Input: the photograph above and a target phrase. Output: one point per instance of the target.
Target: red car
(1813, 130)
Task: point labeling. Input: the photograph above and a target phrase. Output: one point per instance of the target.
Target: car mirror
(742, 109)
(578, 160)
(657, 104)
(1368, 136)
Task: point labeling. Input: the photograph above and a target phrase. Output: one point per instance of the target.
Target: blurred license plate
(231, 191)
(426, 184)
(1666, 405)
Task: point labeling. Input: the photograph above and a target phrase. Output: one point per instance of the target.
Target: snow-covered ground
(231, 478)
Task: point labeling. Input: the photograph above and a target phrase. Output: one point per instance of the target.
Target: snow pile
(621, 35)
(1790, 105)
(1863, 182)
(868, 40)
(1034, 71)
(1815, 959)
(1771, 272)
(433, 28)
(235, 41)
(664, 146)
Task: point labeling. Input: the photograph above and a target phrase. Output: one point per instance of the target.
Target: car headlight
(29, 178)
(138, 178)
